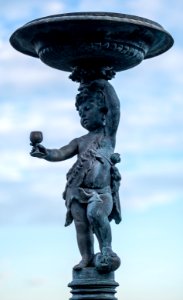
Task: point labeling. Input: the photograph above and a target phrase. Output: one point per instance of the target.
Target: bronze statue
(91, 192)
(93, 46)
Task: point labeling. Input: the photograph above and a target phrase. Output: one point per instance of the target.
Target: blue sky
(37, 252)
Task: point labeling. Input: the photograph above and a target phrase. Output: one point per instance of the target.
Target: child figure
(91, 193)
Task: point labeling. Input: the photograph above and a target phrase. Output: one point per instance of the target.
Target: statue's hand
(39, 151)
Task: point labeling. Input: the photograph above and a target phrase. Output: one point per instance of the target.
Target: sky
(37, 252)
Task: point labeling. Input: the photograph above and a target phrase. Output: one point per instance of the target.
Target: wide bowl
(91, 40)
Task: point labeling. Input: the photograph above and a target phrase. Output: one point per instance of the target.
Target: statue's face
(91, 116)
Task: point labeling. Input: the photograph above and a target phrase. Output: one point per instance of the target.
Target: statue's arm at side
(54, 155)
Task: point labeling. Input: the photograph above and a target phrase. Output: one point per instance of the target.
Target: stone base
(88, 284)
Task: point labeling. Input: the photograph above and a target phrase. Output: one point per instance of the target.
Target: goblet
(36, 137)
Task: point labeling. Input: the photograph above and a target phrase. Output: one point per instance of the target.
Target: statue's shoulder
(82, 142)
(82, 138)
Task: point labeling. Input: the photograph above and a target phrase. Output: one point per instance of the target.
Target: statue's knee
(94, 215)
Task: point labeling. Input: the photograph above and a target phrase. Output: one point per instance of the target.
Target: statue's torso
(97, 166)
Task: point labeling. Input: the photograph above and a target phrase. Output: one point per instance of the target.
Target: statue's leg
(97, 214)
(84, 234)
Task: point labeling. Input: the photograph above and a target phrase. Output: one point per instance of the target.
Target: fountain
(93, 47)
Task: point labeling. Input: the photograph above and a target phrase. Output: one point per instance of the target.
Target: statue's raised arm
(113, 111)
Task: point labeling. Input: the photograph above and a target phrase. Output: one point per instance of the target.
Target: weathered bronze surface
(91, 192)
(92, 39)
(90, 284)
(93, 47)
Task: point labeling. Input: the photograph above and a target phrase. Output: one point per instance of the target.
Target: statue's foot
(106, 261)
(85, 262)
(107, 251)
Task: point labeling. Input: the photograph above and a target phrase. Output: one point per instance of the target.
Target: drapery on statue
(91, 193)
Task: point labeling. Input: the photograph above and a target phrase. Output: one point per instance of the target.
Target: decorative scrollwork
(131, 49)
(83, 75)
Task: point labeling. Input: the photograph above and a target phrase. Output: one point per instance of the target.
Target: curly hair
(92, 92)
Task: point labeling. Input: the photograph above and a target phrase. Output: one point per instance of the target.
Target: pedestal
(88, 284)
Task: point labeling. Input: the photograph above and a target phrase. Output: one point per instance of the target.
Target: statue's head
(91, 105)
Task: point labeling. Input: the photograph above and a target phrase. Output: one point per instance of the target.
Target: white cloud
(37, 281)
(89, 5)
(168, 64)
(145, 202)
(21, 71)
(6, 270)
(13, 165)
(12, 9)
(152, 182)
(147, 10)
(54, 7)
